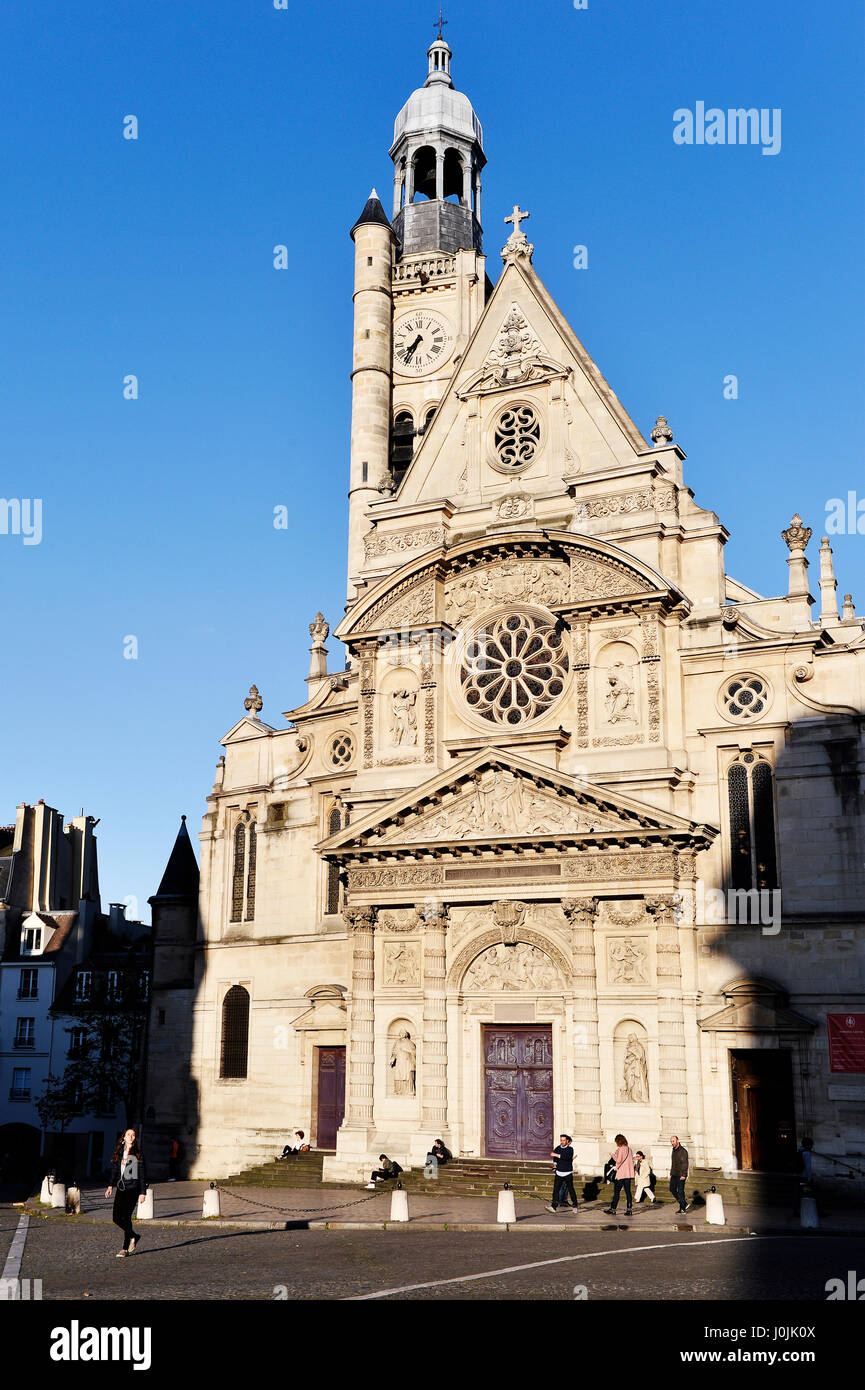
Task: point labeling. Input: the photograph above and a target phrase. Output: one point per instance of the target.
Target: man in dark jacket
(678, 1172)
(389, 1169)
(563, 1184)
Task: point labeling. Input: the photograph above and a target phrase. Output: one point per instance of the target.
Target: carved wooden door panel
(518, 1090)
(331, 1095)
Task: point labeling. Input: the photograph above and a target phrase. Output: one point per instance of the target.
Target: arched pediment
(558, 569)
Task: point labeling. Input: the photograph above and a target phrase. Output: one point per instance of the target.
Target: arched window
(234, 1047)
(243, 870)
(753, 859)
(424, 173)
(337, 820)
(401, 444)
(238, 872)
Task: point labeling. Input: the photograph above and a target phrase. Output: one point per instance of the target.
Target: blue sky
(154, 257)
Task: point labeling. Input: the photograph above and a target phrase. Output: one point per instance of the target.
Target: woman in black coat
(129, 1184)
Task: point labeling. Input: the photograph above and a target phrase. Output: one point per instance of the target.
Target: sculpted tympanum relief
(627, 960)
(519, 967)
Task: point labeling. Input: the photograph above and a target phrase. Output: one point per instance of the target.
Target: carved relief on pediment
(510, 581)
(593, 577)
(500, 804)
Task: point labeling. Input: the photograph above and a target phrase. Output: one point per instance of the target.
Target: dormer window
(31, 941)
(113, 990)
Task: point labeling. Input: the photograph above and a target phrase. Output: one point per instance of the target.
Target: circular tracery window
(517, 438)
(342, 750)
(514, 669)
(745, 697)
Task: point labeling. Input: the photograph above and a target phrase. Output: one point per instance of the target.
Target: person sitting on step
(389, 1169)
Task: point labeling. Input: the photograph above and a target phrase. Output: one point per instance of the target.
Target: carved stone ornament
(796, 536)
(514, 968)
(627, 960)
(592, 577)
(253, 702)
(508, 917)
(401, 542)
(517, 248)
(401, 963)
(360, 918)
(512, 581)
(662, 431)
(396, 876)
(500, 804)
(319, 630)
(513, 506)
(398, 920)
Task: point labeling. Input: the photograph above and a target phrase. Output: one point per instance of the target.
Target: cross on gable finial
(518, 217)
(440, 23)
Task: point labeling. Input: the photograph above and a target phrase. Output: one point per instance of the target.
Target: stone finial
(318, 631)
(661, 431)
(848, 612)
(796, 536)
(253, 702)
(517, 247)
(828, 585)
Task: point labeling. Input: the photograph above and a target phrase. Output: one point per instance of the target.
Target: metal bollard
(399, 1204)
(144, 1210)
(211, 1205)
(507, 1212)
(808, 1218)
(58, 1195)
(715, 1209)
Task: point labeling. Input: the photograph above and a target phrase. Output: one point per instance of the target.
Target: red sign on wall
(846, 1042)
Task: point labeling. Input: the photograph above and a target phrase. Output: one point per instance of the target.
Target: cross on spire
(440, 23)
(518, 217)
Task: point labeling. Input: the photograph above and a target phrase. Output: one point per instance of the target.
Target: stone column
(672, 1083)
(440, 175)
(433, 919)
(581, 913)
(361, 1038)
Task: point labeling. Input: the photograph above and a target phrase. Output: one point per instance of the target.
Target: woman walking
(129, 1184)
(624, 1161)
(642, 1178)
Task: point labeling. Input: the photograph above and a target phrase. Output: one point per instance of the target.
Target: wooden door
(763, 1110)
(518, 1091)
(331, 1095)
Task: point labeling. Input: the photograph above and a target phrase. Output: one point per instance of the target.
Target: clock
(422, 341)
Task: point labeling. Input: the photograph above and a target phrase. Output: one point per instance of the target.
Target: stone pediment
(516, 358)
(755, 1006)
(500, 804)
(492, 795)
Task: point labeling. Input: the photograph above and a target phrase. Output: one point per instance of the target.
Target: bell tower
(438, 156)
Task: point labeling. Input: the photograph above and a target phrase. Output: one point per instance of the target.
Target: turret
(373, 239)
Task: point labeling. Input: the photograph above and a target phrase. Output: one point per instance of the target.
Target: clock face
(422, 341)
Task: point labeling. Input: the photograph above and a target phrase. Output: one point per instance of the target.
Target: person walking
(563, 1183)
(624, 1161)
(679, 1172)
(129, 1184)
(642, 1178)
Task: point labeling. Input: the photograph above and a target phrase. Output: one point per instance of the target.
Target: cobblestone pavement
(182, 1201)
(76, 1260)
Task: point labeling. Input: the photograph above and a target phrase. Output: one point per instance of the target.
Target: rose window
(515, 669)
(745, 697)
(517, 437)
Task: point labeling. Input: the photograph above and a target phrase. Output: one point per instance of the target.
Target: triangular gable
(247, 727)
(498, 795)
(521, 312)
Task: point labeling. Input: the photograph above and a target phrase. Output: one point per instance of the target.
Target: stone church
(572, 837)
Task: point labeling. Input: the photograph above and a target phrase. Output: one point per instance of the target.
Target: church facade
(572, 837)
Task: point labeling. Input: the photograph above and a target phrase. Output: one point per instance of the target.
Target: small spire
(372, 212)
(828, 584)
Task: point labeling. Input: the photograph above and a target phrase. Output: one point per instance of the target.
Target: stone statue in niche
(400, 963)
(403, 1064)
(520, 967)
(403, 721)
(635, 1072)
(627, 961)
(619, 699)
